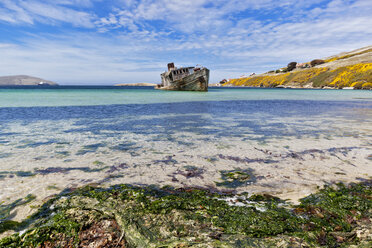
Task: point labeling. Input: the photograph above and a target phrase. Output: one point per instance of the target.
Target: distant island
(350, 70)
(136, 84)
(24, 80)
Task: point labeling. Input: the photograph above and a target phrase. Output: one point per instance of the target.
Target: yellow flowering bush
(357, 85)
(305, 76)
(257, 81)
(357, 76)
(351, 74)
(367, 86)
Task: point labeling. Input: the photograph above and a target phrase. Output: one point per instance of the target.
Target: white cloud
(200, 15)
(6, 45)
(13, 13)
(79, 58)
(140, 37)
(31, 11)
(45, 12)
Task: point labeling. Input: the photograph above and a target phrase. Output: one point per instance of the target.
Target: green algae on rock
(129, 216)
(5, 213)
(236, 178)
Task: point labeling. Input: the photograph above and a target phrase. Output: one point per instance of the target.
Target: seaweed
(168, 160)
(5, 213)
(98, 162)
(247, 160)
(36, 144)
(24, 173)
(89, 148)
(51, 170)
(17, 173)
(52, 187)
(332, 212)
(127, 146)
(236, 178)
(187, 217)
(190, 171)
(63, 153)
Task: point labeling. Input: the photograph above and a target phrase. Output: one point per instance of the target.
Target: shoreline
(153, 217)
(284, 149)
(289, 87)
(264, 169)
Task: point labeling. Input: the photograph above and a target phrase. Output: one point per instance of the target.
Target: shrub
(316, 62)
(367, 86)
(357, 85)
(357, 76)
(291, 66)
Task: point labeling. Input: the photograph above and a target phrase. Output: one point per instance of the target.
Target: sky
(128, 41)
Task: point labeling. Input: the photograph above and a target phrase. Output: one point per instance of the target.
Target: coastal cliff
(24, 80)
(351, 70)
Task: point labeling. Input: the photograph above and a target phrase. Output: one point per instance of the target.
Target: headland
(349, 70)
(24, 80)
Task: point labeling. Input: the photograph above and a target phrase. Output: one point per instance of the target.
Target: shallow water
(290, 140)
(110, 95)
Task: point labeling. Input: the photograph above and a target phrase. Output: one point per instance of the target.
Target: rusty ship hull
(185, 79)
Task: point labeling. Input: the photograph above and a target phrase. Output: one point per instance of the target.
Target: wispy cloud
(11, 12)
(232, 37)
(47, 13)
(52, 12)
(77, 59)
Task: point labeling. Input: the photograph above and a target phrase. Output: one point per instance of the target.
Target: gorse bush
(367, 86)
(358, 76)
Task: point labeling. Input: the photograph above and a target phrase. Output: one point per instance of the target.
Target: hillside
(351, 69)
(24, 80)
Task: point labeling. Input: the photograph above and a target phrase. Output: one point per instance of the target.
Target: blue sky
(112, 41)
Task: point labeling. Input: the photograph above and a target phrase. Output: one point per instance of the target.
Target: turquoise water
(106, 95)
(291, 140)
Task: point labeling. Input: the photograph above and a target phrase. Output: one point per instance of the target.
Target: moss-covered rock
(128, 216)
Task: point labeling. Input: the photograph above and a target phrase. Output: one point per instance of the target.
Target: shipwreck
(184, 79)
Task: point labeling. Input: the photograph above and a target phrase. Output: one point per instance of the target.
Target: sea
(289, 140)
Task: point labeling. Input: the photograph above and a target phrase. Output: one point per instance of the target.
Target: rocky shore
(131, 216)
(352, 70)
